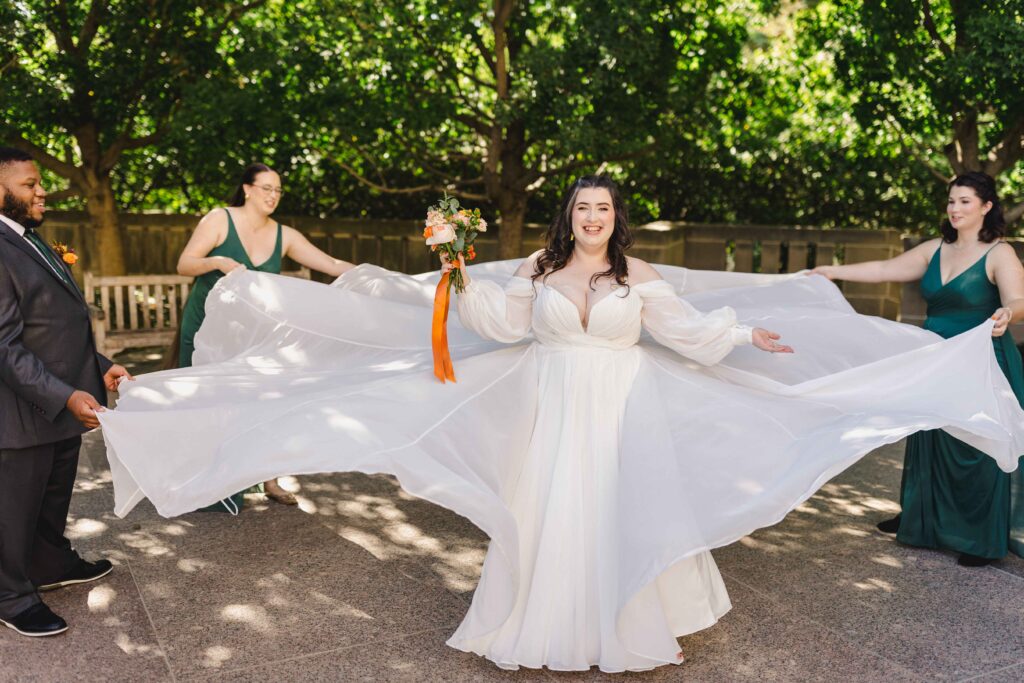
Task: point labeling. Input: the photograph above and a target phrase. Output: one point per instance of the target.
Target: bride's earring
(571, 237)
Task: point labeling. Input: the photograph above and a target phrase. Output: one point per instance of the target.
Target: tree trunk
(512, 206)
(109, 259)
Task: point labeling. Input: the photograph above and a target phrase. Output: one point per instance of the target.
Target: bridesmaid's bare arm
(907, 267)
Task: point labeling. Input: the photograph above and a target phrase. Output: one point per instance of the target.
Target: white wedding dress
(603, 463)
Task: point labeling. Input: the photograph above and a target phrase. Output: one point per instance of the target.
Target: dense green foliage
(835, 113)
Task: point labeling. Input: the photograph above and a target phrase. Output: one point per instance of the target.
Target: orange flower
(470, 253)
(70, 258)
(427, 232)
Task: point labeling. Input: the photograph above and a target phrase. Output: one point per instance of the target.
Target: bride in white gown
(602, 465)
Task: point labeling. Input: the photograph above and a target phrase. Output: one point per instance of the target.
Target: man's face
(23, 198)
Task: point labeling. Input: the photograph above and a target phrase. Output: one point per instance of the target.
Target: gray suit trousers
(35, 493)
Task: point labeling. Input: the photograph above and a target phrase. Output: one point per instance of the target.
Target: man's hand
(83, 406)
(114, 375)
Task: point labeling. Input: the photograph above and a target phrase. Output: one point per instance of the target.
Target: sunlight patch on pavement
(100, 597)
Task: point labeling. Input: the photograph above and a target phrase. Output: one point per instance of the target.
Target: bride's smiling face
(593, 217)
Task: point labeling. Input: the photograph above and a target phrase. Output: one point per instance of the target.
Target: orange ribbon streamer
(439, 333)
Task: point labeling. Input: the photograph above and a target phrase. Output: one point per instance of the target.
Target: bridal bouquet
(451, 230)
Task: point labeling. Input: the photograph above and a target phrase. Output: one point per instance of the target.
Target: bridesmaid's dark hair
(560, 244)
(248, 178)
(994, 225)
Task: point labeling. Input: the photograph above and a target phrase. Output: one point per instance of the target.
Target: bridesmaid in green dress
(954, 496)
(244, 235)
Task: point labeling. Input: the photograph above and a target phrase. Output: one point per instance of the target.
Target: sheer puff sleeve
(704, 337)
(494, 313)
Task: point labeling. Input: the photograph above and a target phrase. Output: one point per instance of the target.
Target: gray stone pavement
(365, 583)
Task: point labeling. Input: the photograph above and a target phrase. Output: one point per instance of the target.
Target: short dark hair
(11, 155)
(994, 225)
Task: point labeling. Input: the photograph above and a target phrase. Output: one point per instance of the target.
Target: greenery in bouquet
(451, 230)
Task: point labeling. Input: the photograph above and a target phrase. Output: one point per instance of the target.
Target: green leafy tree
(87, 82)
(945, 76)
(492, 101)
(778, 144)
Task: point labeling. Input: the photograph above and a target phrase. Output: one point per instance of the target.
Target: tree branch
(1014, 213)
(125, 141)
(1008, 151)
(48, 161)
(91, 24)
(66, 193)
(912, 149)
(452, 188)
(487, 58)
(929, 25)
(502, 13)
(9, 64)
(534, 176)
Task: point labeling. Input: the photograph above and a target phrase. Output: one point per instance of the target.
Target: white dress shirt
(20, 229)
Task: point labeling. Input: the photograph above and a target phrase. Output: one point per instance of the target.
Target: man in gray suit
(52, 382)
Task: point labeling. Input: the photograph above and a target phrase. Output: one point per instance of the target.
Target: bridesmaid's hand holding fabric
(768, 341)
(1002, 317)
(227, 265)
(826, 271)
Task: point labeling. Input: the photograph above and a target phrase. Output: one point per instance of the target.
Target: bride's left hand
(768, 341)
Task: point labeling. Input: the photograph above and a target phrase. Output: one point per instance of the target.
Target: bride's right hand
(826, 271)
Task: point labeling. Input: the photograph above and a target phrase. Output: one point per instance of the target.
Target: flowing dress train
(603, 462)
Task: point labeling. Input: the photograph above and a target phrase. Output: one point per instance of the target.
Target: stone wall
(154, 241)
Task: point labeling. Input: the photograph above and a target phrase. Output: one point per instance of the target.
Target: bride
(602, 465)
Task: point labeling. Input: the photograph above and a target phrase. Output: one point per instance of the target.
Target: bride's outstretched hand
(827, 271)
(446, 266)
(768, 341)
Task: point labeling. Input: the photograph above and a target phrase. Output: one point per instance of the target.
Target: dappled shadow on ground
(365, 582)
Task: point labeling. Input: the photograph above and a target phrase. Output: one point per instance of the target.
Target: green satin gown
(194, 312)
(953, 495)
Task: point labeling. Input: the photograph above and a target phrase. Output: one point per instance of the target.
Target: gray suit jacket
(46, 348)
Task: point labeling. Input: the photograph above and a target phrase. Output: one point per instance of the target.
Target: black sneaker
(968, 560)
(889, 526)
(36, 622)
(83, 572)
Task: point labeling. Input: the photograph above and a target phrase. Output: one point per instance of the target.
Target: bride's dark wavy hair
(994, 225)
(248, 178)
(560, 245)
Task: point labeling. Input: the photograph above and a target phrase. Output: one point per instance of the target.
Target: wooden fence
(154, 241)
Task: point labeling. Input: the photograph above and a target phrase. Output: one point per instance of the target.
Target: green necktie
(47, 253)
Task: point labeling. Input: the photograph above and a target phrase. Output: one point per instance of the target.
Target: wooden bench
(136, 311)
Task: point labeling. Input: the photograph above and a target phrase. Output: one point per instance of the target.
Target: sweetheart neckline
(585, 327)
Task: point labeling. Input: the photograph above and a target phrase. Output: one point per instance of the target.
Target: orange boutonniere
(67, 255)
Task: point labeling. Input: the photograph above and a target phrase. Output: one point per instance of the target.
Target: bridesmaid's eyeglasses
(270, 189)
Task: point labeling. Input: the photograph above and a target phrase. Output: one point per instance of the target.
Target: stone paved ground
(365, 583)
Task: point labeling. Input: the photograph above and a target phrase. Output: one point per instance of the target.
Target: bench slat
(159, 294)
(172, 305)
(117, 321)
(133, 303)
(104, 299)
